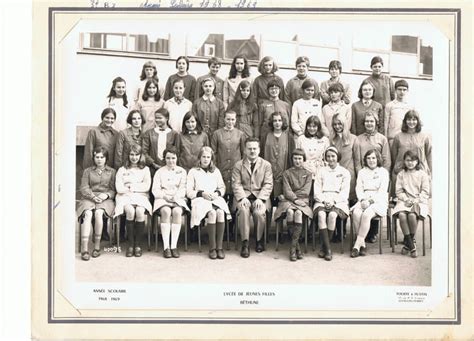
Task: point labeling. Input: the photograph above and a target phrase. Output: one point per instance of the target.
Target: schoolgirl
(149, 73)
(295, 201)
(384, 89)
(239, 71)
(98, 192)
(372, 193)
(190, 141)
(117, 100)
(335, 106)
(209, 108)
(364, 105)
(313, 143)
(169, 190)
(205, 187)
(104, 135)
(267, 69)
(413, 192)
(246, 109)
(335, 70)
(133, 182)
(128, 137)
(331, 193)
(189, 82)
(293, 89)
(156, 140)
(149, 102)
(304, 107)
(178, 105)
(395, 111)
(214, 65)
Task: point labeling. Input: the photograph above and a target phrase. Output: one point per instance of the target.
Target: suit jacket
(259, 183)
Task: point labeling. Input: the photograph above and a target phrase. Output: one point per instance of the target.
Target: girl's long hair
(189, 114)
(212, 166)
(157, 96)
(137, 149)
(313, 119)
(113, 94)
(238, 96)
(155, 72)
(345, 132)
(245, 71)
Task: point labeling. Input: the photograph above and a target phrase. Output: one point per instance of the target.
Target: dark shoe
(299, 254)
(259, 248)
(167, 253)
(321, 253)
(85, 255)
(175, 253)
(245, 252)
(328, 256)
(293, 255)
(95, 253)
(371, 239)
(105, 236)
(363, 251)
(212, 254)
(220, 254)
(405, 250)
(137, 252)
(354, 253)
(129, 252)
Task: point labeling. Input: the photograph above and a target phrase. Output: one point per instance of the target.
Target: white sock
(359, 242)
(165, 234)
(175, 229)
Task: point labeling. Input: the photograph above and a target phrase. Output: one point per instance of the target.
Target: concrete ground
(268, 267)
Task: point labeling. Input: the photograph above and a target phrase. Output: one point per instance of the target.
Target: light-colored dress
(314, 149)
(331, 109)
(139, 180)
(201, 180)
(121, 111)
(415, 185)
(177, 110)
(332, 185)
(300, 112)
(373, 184)
(171, 182)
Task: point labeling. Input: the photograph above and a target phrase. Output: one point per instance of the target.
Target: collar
(178, 101)
(247, 161)
(367, 102)
(228, 129)
(335, 80)
(106, 169)
(161, 131)
(103, 127)
(210, 98)
(336, 103)
(371, 134)
(194, 132)
(301, 77)
(333, 169)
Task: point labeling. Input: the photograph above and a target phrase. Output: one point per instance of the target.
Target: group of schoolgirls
(183, 142)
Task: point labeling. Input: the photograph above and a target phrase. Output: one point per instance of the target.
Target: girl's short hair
(136, 148)
(299, 152)
(336, 87)
(313, 119)
(179, 80)
(213, 60)
(308, 83)
(149, 82)
(233, 69)
(411, 114)
(375, 60)
(273, 82)
(186, 117)
(345, 132)
(302, 59)
(212, 165)
(186, 59)
(152, 65)
(163, 112)
(100, 149)
(283, 119)
(208, 79)
(107, 111)
(414, 156)
(401, 82)
(130, 116)
(170, 149)
(263, 61)
(335, 64)
(366, 82)
(333, 150)
(113, 94)
(374, 115)
(377, 155)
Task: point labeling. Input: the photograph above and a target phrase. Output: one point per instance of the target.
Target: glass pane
(323, 55)
(404, 64)
(361, 60)
(282, 52)
(405, 44)
(426, 60)
(372, 40)
(114, 42)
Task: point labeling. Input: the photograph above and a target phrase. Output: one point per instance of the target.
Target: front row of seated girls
(252, 184)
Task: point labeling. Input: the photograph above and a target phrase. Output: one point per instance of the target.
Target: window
(222, 46)
(130, 43)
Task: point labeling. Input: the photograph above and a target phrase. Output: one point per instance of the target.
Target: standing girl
(177, 106)
(413, 192)
(128, 137)
(103, 135)
(384, 89)
(293, 89)
(331, 193)
(190, 141)
(335, 70)
(149, 73)
(362, 107)
(117, 100)
(304, 108)
(246, 109)
(267, 68)
(313, 143)
(295, 202)
(239, 71)
(189, 82)
(149, 102)
(205, 187)
(156, 140)
(169, 189)
(209, 109)
(133, 182)
(336, 106)
(98, 192)
(371, 189)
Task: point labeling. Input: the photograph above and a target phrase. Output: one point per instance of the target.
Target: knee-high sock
(296, 234)
(130, 226)
(139, 227)
(220, 227)
(97, 241)
(175, 228)
(165, 234)
(211, 231)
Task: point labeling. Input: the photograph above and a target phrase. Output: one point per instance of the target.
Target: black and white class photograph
(287, 157)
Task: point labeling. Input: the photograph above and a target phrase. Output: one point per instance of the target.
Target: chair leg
(199, 236)
(226, 222)
(117, 232)
(268, 221)
(423, 240)
(351, 236)
(379, 223)
(313, 231)
(431, 235)
(236, 229)
(393, 233)
(305, 227)
(149, 228)
(186, 227)
(155, 229)
(277, 226)
(110, 227)
(343, 225)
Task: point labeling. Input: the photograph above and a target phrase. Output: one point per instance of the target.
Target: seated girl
(205, 187)
(98, 192)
